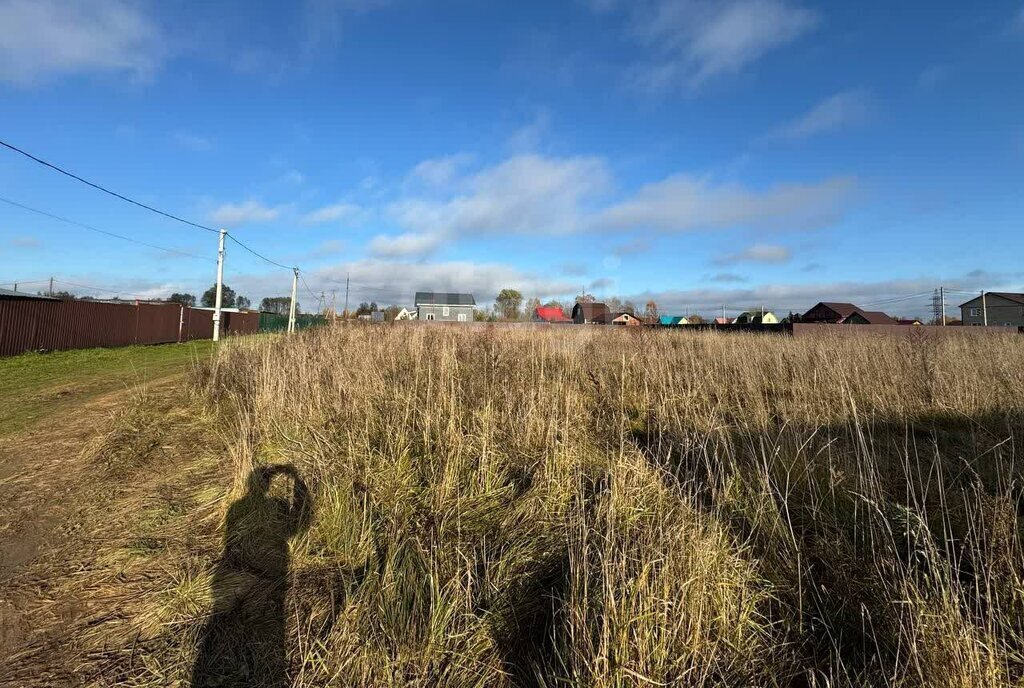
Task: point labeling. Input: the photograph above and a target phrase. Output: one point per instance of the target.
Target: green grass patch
(36, 386)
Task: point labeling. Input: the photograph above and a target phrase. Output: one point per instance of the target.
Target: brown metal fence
(50, 325)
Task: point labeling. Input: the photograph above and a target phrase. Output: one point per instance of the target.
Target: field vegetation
(583, 507)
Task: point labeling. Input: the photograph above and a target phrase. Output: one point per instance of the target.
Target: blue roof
(670, 319)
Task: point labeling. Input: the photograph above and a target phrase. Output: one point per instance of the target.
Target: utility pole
(942, 298)
(984, 309)
(51, 286)
(220, 285)
(291, 311)
(346, 296)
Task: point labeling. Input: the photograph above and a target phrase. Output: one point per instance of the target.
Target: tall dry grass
(594, 507)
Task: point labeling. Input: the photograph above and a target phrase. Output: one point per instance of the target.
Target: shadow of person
(243, 641)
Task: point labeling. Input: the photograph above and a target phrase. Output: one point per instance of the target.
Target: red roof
(551, 314)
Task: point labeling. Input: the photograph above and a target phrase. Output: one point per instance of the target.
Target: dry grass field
(417, 506)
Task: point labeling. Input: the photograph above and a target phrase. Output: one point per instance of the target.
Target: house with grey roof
(997, 308)
(445, 306)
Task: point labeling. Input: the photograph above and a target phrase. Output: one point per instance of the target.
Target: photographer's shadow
(243, 641)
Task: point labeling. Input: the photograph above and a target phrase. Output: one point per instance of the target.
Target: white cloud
(404, 245)
(190, 141)
(328, 248)
(684, 203)
(845, 109)
(525, 194)
(757, 253)
(546, 196)
(726, 277)
(698, 40)
(241, 213)
(441, 171)
(528, 137)
(322, 21)
(45, 39)
(333, 213)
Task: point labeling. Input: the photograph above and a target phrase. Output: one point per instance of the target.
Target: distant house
(627, 319)
(591, 313)
(829, 312)
(859, 317)
(550, 314)
(908, 321)
(673, 320)
(723, 321)
(443, 306)
(758, 317)
(1002, 308)
(406, 314)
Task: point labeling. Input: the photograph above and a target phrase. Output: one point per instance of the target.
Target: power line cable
(99, 289)
(260, 255)
(104, 189)
(312, 293)
(42, 281)
(100, 231)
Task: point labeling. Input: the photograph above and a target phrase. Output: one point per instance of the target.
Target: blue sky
(736, 153)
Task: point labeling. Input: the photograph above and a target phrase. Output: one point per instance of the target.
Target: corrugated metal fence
(50, 325)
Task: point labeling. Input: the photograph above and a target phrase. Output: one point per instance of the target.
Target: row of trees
(509, 305)
(229, 299)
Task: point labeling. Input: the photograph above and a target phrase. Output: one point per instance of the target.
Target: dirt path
(73, 488)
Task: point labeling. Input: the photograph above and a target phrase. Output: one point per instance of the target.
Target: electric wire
(101, 231)
(260, 255)
(99, 289)
(312, 293)
(104, 189)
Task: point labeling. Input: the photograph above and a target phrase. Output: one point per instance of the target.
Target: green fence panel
(271, 322)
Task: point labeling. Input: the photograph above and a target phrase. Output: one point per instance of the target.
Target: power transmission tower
(346, 295)
(938, 312)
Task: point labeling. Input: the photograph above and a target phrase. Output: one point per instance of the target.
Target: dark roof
(877, 317)
(431, 298)
(843, 309)
(9, 294)
(1008, 295)
(592, 310)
